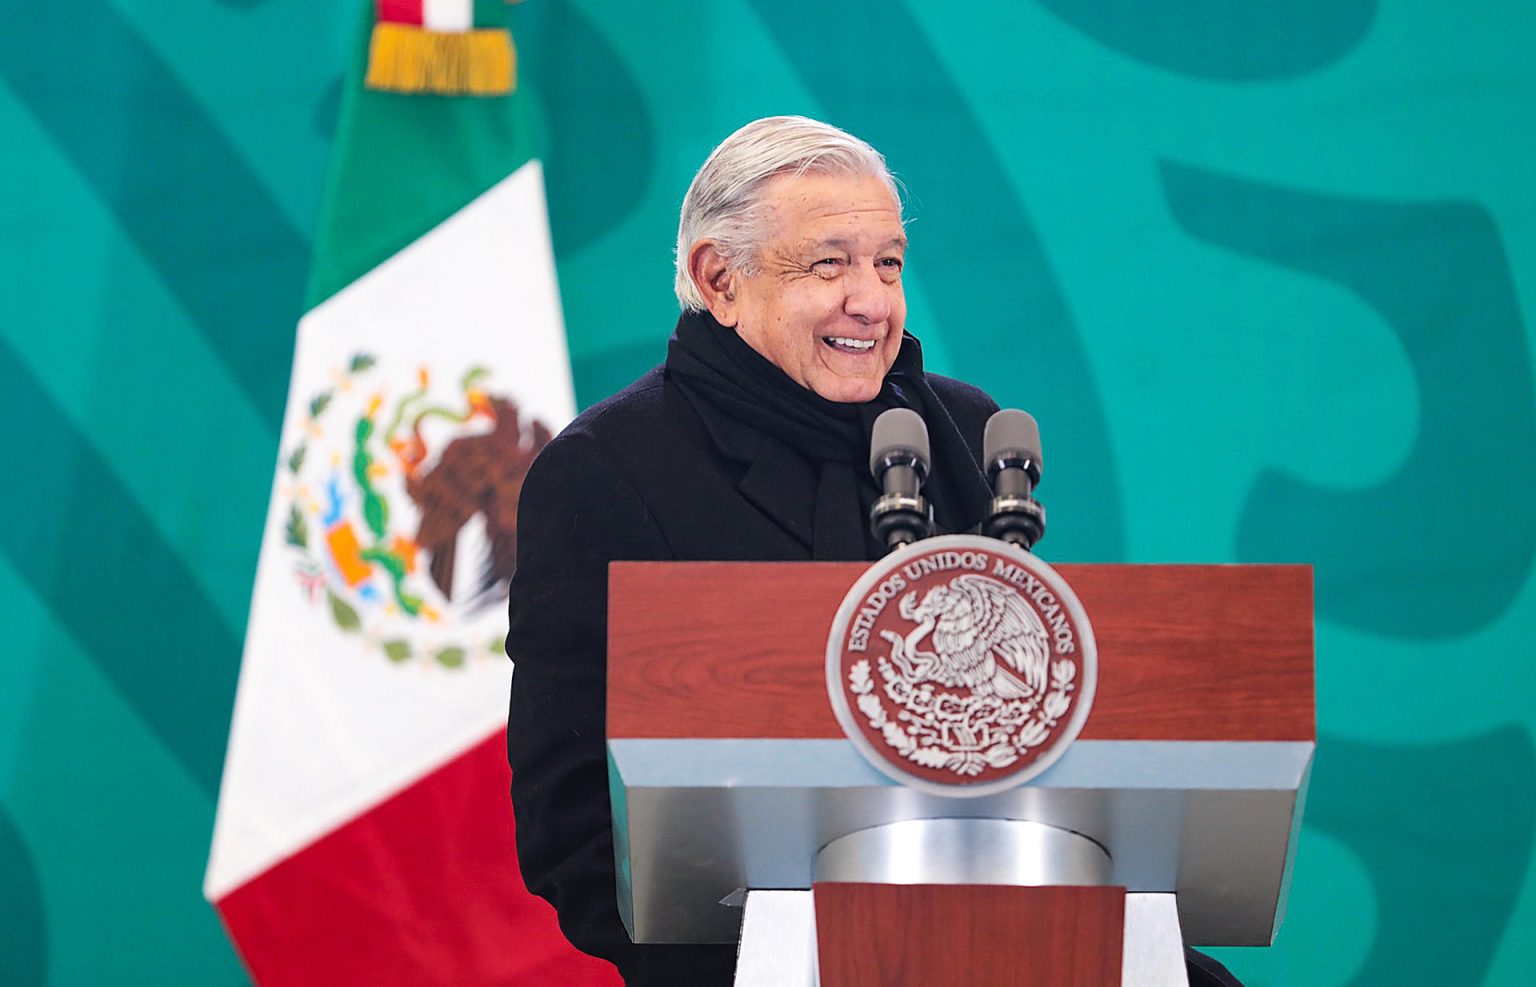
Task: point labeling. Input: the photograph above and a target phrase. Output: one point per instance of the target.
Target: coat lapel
(777, 480)
(783, 486)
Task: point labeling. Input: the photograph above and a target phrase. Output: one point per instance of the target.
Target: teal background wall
(1264, 271)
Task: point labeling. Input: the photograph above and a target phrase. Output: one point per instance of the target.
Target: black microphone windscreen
(898, 428)
(1011, 431)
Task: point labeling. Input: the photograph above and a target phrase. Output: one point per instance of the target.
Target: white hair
(723, 202)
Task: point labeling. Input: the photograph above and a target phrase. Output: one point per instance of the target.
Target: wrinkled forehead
(852, 212)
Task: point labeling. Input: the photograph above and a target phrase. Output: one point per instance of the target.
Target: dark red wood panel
(1199, 652)
(723, 649)
(919, 935)
(737, 650)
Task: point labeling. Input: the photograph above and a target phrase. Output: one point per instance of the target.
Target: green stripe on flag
(402, 164)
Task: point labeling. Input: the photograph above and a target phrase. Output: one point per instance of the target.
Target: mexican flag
(364, 831)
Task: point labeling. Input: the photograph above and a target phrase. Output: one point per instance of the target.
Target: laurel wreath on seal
(965, 734)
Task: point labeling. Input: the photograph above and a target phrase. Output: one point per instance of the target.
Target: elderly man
(748, 443)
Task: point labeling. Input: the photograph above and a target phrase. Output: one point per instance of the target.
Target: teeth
(851, 344)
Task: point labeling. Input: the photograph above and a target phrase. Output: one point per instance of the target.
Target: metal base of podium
(778, 932)
(965, 851)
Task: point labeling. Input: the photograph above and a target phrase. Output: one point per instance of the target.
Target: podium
(730, 774)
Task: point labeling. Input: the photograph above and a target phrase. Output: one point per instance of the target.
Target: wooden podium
(729, 772)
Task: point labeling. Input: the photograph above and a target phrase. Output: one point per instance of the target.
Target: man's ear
(715, 279)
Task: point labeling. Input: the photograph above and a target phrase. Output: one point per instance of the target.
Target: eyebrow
(842, 243)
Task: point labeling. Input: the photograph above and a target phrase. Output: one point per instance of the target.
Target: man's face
(826, 305)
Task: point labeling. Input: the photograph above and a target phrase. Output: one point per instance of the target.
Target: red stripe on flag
(400, 11)
(422, 889)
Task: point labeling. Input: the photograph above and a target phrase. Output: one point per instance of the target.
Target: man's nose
(869, 296)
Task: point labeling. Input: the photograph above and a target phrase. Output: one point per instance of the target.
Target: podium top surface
(737, 650)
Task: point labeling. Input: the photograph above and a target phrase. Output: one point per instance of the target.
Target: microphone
(1011, 451)
(899, 460)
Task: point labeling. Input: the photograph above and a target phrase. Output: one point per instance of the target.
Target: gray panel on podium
(699, 820)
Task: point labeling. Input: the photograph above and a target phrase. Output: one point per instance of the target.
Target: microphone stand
(901, 516)
(1016, 517)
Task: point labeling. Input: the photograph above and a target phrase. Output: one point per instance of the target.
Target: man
(750, 442)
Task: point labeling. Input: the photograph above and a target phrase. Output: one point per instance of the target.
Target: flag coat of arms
(364, 832)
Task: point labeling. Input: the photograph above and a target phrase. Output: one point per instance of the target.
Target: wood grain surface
(920, 935)
(738, 649)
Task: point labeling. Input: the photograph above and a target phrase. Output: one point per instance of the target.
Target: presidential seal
(961, 665)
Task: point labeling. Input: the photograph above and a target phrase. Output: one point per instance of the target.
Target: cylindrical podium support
(965, 851)
(932, 901)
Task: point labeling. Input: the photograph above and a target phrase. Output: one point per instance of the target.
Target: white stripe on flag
(447, 15)
(326, 726)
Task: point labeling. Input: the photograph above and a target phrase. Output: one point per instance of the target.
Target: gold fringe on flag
(404, 58)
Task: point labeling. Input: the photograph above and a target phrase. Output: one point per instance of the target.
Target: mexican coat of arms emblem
(961, 665)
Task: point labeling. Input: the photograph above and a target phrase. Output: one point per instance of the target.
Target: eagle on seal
(983, 636)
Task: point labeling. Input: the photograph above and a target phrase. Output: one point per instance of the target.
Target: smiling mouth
(845, 344)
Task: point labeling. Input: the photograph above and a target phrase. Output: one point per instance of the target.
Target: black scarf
(722, 375)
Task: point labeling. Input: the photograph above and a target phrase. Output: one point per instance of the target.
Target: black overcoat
(641, 476)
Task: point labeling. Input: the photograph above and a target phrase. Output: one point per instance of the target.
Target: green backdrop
(1262, 269)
